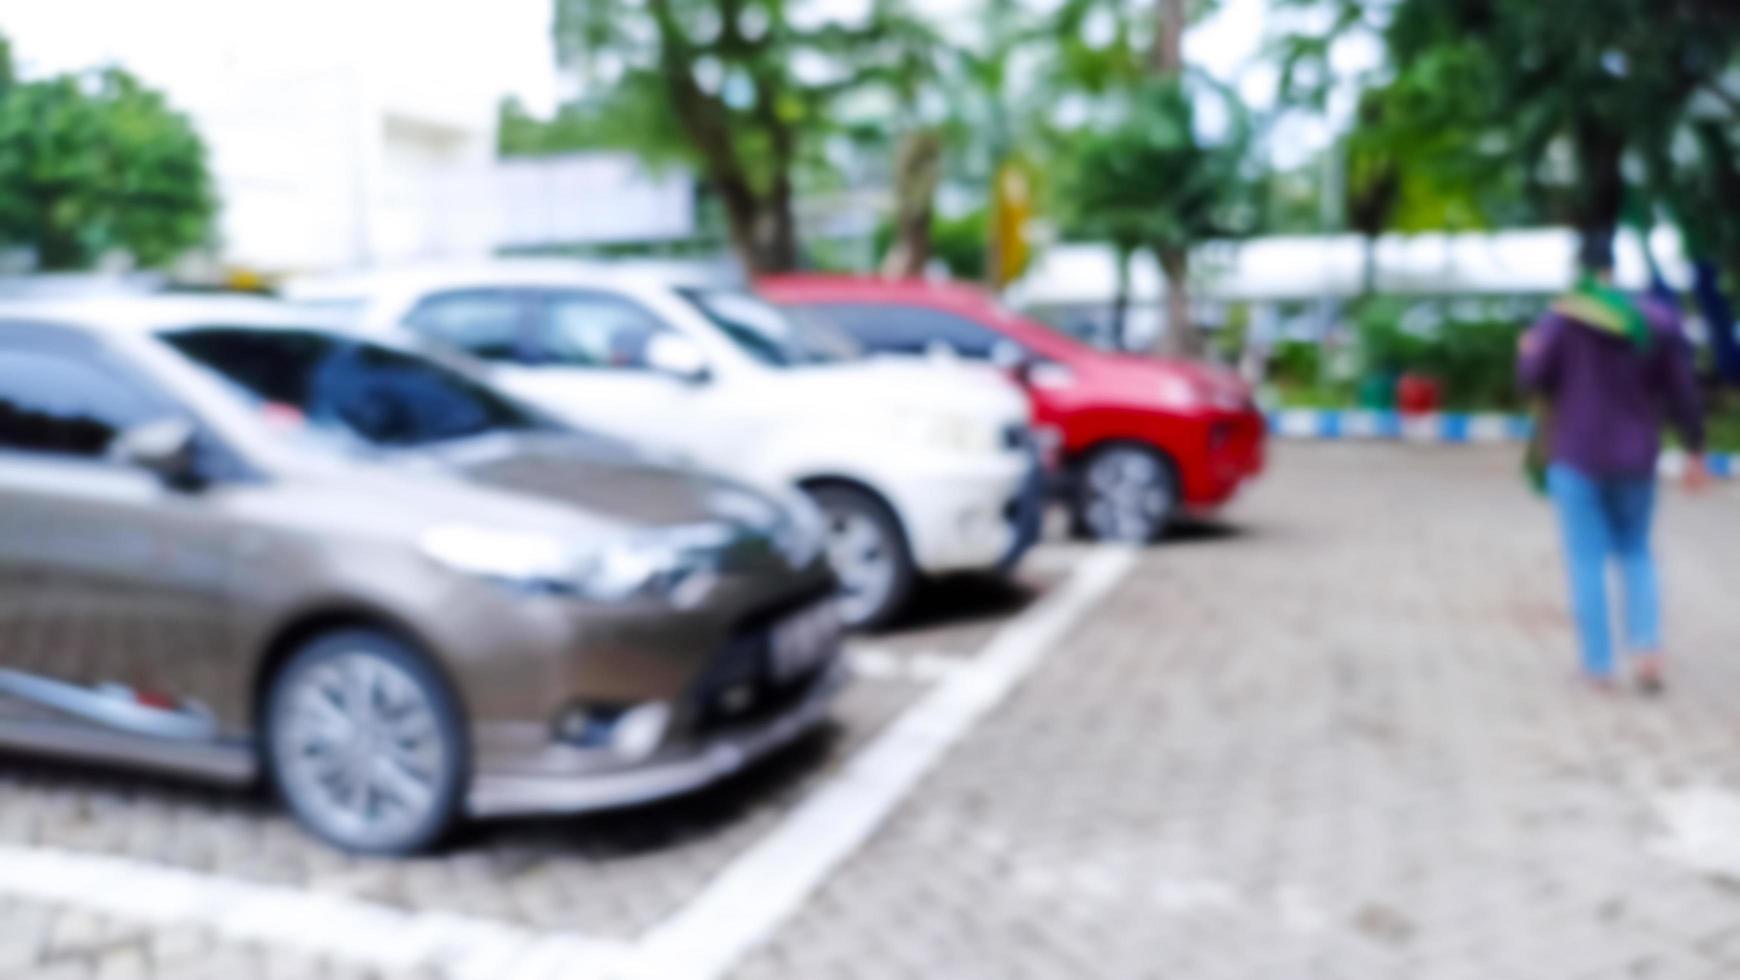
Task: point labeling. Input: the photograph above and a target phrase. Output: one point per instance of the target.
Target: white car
(919, 469)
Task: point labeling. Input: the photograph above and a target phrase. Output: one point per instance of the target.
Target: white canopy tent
(1302, 267)
(1074, 285)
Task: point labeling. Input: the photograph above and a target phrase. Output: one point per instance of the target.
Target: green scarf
(1598, 306)
(1602, 307)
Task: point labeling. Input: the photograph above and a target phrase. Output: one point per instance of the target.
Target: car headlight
(1180, 394)
(671, 563)
(802, 531)
(953, 433)
(1050, 376)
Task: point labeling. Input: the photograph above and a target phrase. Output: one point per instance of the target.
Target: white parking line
(748, 902)
(1699, 823)
(739, 910)
(362, 933)
(922, 667)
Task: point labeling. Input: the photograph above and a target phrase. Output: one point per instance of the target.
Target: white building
(349, 133)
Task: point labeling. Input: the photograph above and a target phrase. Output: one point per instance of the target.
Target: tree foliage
(749, 89)
(1141, 71)
(96, 163)
(1149, 179)
(1560, 102)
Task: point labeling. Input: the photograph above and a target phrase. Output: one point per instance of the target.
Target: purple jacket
(1609, 400)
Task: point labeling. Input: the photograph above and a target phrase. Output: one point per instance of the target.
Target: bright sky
(466, 52)
(463, 49)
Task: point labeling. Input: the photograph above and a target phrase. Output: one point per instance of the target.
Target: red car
(1139, 440)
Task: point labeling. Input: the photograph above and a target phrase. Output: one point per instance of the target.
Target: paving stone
(1339, 737)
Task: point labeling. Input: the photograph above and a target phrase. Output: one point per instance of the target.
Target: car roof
(511, 272)
(149, 314)
(965, 299)
(822, 286)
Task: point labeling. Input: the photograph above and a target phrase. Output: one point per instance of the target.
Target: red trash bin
(1417, 394)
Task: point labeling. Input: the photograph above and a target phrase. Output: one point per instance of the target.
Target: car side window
(595, 330)
(488, 324)
(371, 394)
(895, 329)
(66, 404)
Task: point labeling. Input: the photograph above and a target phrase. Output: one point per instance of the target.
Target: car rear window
(891, 328)
(773, 335)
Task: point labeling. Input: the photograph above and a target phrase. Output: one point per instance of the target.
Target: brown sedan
(232, 544)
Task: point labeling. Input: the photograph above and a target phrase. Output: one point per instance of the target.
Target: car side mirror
(166, 447)
(1010, 356)
(941, 350)
(677, 357)
(1040, 373)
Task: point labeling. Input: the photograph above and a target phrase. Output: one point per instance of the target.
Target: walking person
(1611, 371)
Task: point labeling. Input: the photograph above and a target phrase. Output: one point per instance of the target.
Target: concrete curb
(1449, 428)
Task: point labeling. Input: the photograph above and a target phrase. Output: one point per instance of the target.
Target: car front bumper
(963, 517)
(558, 780)
(1232, 454)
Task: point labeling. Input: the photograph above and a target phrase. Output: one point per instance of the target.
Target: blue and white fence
(1440, 427)
(1431, 427)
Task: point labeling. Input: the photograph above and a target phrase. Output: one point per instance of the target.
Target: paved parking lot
(1337, 736)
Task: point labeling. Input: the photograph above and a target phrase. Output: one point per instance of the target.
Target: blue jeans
(1603, 518)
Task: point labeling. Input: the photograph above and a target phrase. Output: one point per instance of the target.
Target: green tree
(632, 117)
(1138, 68)
(1559, 99)
(1150, 180)
(917, 172)
(1373, 179)
(747, 90)
(95, 163)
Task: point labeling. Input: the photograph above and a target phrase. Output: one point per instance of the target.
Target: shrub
(1471, 352)
(1295, 363)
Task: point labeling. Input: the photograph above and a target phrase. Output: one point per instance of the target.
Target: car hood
(958, 388)
(544, 483)
(605, 483)
(1143, 379)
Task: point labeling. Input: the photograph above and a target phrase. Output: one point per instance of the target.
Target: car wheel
(869, 554)
(1125, 493)
(366, 743)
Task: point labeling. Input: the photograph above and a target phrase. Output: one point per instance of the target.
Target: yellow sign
(1012, 209)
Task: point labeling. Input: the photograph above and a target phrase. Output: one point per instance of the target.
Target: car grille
(738, 685)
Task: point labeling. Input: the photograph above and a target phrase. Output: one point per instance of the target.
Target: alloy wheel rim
(1128, 496)
(863, 560)
(360, 746)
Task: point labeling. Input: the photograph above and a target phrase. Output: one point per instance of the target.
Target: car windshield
(309, 382)
(781, 338)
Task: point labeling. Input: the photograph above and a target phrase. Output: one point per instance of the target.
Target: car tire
(365, 742)
(1125, 493)
(869, 553)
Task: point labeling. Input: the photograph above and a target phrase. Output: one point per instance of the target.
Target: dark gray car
(234, 545)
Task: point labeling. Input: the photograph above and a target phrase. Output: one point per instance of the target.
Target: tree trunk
(1121, 300)
(1600, 200)
(1179, 338)
(1368, 272)
(779, 244)
(1718, 315)
(58, 248)
(761, 225)
(741, 217)
(1167, 58)
(917, 171)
